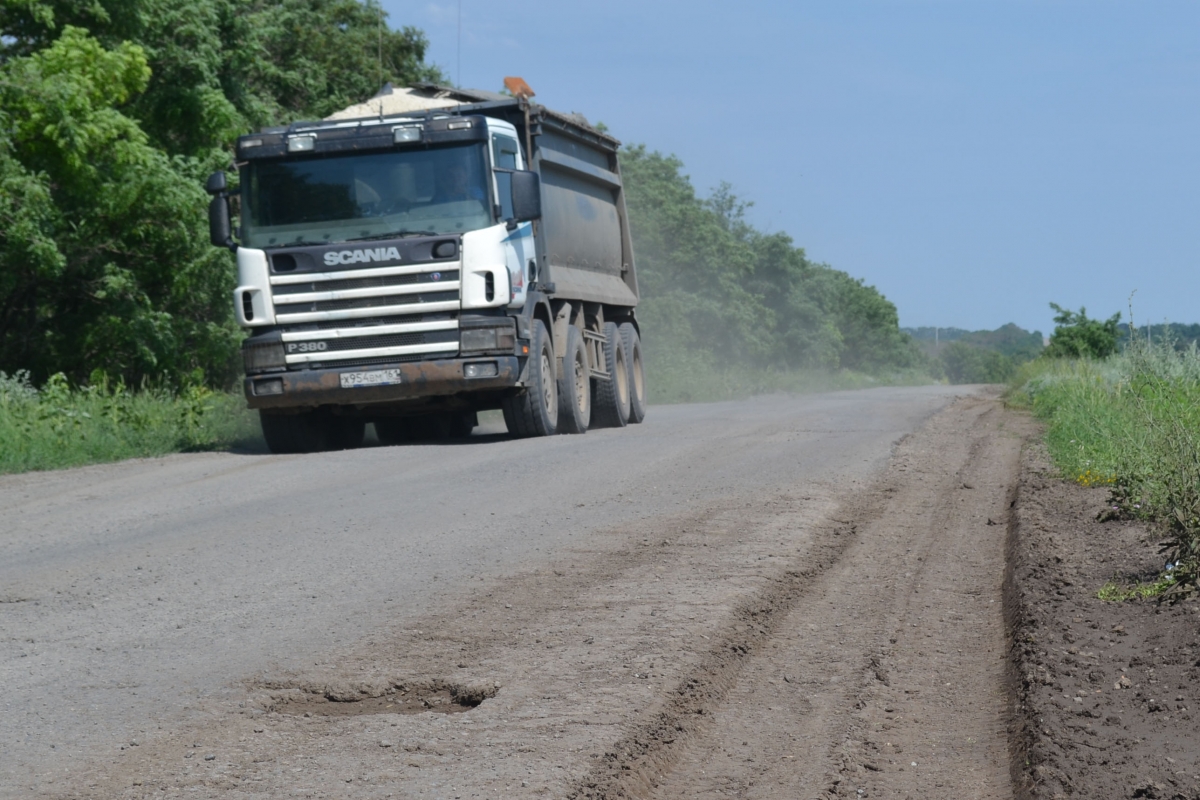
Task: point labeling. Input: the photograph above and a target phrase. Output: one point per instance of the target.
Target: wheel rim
(548, 400)
(582, 395)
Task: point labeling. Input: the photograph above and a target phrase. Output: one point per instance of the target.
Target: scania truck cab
(398, 269)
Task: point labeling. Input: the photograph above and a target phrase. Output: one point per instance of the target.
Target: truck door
(518, 244)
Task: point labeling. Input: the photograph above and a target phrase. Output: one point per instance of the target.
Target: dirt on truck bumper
(319, 387)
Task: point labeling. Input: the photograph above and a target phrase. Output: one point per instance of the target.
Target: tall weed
(61, 426)
(1131, 421)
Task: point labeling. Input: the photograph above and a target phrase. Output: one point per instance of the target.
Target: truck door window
(504, 159)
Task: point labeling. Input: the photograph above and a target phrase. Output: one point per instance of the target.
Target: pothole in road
(438, 697)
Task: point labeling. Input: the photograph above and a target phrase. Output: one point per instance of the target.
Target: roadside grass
(692, 377)
(61, 426)
(1130, 422)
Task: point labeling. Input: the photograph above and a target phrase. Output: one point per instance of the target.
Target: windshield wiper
(393, 235)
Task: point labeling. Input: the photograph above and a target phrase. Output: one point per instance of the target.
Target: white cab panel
(483, 254)
(254, 280)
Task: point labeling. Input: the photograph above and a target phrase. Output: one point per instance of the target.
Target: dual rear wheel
(574, 402)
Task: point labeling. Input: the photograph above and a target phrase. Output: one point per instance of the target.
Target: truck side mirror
(526, 196)
(216, 183)
(220, 230)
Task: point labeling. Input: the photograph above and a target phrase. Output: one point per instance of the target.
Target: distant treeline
(713, 284)
(112, 112)
(1179, 336)
(963, 356)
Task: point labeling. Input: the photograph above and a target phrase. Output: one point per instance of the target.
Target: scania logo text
(335, 257)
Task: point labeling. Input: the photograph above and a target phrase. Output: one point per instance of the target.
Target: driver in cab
(454, 186)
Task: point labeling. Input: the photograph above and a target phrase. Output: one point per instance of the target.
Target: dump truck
(427, 255)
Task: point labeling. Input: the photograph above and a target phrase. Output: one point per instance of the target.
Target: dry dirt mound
(1107, 693)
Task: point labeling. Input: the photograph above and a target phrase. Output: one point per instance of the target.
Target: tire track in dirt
(881, 673)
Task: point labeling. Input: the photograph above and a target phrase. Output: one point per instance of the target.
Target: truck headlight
(478, 340)
(259, 357)
(484, 369)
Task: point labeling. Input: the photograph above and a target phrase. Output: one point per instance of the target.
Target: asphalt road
(131, 594)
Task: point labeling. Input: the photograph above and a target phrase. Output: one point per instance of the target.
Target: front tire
(534, 412)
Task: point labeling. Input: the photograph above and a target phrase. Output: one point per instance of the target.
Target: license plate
(377, 377)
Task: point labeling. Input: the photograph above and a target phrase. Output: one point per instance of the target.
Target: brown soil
(1107, 693)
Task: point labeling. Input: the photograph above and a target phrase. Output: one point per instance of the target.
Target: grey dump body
(583, 237)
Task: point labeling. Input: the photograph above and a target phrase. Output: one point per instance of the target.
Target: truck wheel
(294, 433)
(574, 387)
(637, 378)
(534, 412)
(610, 398)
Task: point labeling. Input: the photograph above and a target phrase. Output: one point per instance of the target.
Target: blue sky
(973, 159)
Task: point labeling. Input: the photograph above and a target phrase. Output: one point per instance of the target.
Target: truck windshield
(341, 198)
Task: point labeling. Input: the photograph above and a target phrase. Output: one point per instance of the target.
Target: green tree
(109, 269)
(112, 112)
(220, 67)
(1076, 336)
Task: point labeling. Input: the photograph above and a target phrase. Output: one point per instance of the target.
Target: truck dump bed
(583, 237)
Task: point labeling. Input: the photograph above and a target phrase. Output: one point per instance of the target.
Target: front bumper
(318, 387)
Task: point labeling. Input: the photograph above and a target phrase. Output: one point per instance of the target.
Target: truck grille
(433, 279)
(388, 300)
(375, 342)
(370, 316)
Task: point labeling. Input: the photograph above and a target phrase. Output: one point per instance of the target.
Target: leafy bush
(1076, 336)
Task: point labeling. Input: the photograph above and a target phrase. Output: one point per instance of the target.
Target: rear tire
(534, 412)
(610, 398)
(637, 378)
(574, 387)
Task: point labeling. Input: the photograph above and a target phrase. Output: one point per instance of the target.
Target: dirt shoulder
(834, 640)
(1107, 694)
